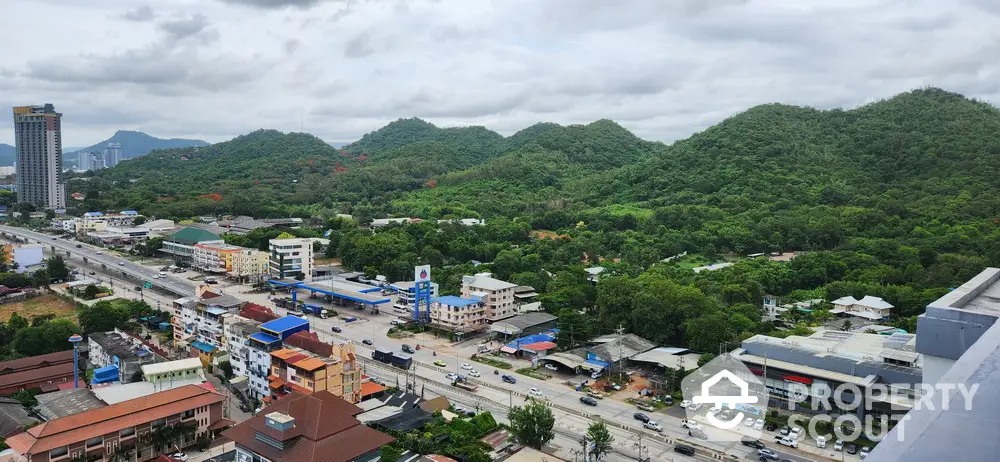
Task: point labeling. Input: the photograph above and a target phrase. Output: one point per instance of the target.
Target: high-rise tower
(112, 154)
(38, 140)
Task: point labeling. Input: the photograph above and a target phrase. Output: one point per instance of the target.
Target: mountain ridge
(136, 144)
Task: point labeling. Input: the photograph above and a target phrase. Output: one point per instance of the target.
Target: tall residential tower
(112, 155)
(38, 139)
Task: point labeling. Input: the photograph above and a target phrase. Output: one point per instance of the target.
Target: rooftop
(516, 324)
(608, 349)
(867, 300)
(65, 403)
(32, 362)
(283, 324)
(325, 429)
(114, 393)
(97, 422)
(452, 300)
(172, 366)
(121, 346)
(13, 417)
(488, 283)
(192, 236)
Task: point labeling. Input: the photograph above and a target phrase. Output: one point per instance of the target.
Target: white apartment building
(457, 314)
(237, 331)
(250, 265)
(200, 319)
(289, 257)
(497, 295)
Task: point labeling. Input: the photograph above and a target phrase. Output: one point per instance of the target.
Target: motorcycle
(496, 372)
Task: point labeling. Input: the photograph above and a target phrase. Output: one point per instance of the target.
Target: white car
(795, 433)
(551, 367)
(179, 456)
(652, 425)
(100, 253)
(451, 376)
(715, 410)
(694, 407)
(748, 422)
(758, 424)
(121, 263)
(473, 373)
(690, 424)
(685, 404)
(595, 375)
(787, 442)
(535, 391)
(839, 445)
(467, 366)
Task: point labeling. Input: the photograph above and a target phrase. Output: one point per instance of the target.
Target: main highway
(493, 394)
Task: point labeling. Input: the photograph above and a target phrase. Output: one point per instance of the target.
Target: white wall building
(288, 257)
(25, 255)
(496, 294)
(870, 308)
(250, 265)
(238, 330)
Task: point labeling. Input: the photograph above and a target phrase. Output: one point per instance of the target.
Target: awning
(370, 388)
(221, 423)
(508, 350)
(594, 365)
(276, 384)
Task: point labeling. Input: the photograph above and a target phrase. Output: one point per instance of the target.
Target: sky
(215, 69)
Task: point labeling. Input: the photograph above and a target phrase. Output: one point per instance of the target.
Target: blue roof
(129, 212)
(529, 339)
(452, 300)
(106, 374)
(597, 363)
(203, 346)
(282, 324)
(264, 338)
(93, 214)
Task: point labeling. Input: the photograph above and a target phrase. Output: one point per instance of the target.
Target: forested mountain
(8, 155)
(135, 144)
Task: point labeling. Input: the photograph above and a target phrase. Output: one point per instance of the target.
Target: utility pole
(620, 332)
(639, 447)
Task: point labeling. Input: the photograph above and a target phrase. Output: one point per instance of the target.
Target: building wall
(499, 303)
(461, 319)
(174, 375)
(291, 256)
(65, 378)
(250, 264)
(38, 143)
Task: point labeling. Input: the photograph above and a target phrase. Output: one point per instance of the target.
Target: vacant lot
(32, 307)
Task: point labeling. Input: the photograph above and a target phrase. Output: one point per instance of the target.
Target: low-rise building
(117, 235)
(457, 314)
(214, 258)
(289, 258)
(117, 357)
(237, 331)
(200, 318)
(250, 265)
(173, 370)
(407, 291)
(869, 307)
(125, 428)
(314, 366)
(180, 245)
(25, 255)
(269, 338)
(497, 295)
(316, 427)
(36, 371)
(99, 221)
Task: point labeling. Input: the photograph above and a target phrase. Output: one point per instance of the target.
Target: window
(159, 423)
(58, 452)
(126, 432)
(95, 442)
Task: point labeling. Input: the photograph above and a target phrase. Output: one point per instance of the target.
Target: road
(571, 414)
(93, 254)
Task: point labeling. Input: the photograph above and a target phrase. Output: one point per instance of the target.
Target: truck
(463, 383)
(401, 361)
(315, 310)
(384, 356)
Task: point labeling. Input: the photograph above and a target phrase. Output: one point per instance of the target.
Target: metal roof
(520, 322)
(172, 366)
(283, 324)
(452, 300)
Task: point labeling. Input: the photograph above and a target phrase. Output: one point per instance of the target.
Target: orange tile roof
(276, 383)
(370, 388)
(299, 388)
(283, 353)
(85, 425)
(309, 364)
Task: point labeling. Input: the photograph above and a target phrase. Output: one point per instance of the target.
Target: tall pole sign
(422, 293)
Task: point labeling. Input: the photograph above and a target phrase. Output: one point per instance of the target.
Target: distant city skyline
(216, 69)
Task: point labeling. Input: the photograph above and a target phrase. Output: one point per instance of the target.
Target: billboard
(422, 273)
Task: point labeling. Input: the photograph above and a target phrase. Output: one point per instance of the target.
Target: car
(121, 263)
(451, 376)
(695, 407)
(645, 407)
(613, 386)
(474, 373)
(865, 450)
(726, 414)
(758, 424)
(752, 442)
(467, 366)
(595, 375)
(852, 449)
(684, 449)
(653, 426)
(588, 401)
(54, 238)
(839, 445)
(748, 422)
(137, 289)
(820, 442)
(770, 426)
(640, 417)
(211, 281)
(534, 391)
(786, 441)
(368, 342)
(407, 348)
(92, 273)
(508, 378)
(685, 404)
(79, 246)
(669, 400)
(551, 367)
(336, 329)
(795, 433)
(100, 253)
(440, 363)
(767, 454)
(715, 410)
(785, 430)
(690, 424)
(179, 456)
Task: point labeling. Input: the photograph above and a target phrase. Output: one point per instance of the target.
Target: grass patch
(691, 261)
(45, 304)
(493, 362)
(533, 372)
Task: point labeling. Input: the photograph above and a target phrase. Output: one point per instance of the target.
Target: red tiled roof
(325, 430)
(370, 388)
(85, 425)
(32, 376)
(209, 294)
(37, 361)
(539, 346)
(222, 423)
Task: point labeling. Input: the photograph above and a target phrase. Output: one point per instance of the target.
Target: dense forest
(897, 199)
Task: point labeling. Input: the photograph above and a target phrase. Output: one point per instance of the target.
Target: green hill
(135, 144)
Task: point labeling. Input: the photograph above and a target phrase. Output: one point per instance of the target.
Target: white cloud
(217, 68)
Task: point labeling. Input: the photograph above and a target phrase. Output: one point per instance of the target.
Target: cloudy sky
(213, 69)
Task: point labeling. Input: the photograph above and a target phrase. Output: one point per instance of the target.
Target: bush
(492, 362)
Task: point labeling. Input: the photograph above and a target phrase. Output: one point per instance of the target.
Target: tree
(390, 453)
(40, 278)
(91, 292)
(57, 269)
(102, 316)
(600, 438)
(227, 369)
(705, 358)
(532, 424)
(846, 326)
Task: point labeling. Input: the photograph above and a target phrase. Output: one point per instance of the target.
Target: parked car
(695, 407)
(641, 417)
(368, 342)
(785, 430)
(770, 426)
(786, 441)
(551, 367)
(508, 378)
(753, 443)
(645, 407)
(820, 442)
(748, 422)
(839, 445)
(795, 433)
(767, 454)
(652, 425)
(336, 329)
(588, 401)
(595, 375)
(865, 450)
(758, 424)
(852, 449)
(179, 456)
(685, 404)
(691, 424)
(715, 410)
(669, 400)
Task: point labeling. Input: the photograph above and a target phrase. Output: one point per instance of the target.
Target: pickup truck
(595, 394)
(463, 383)
(784, 440)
